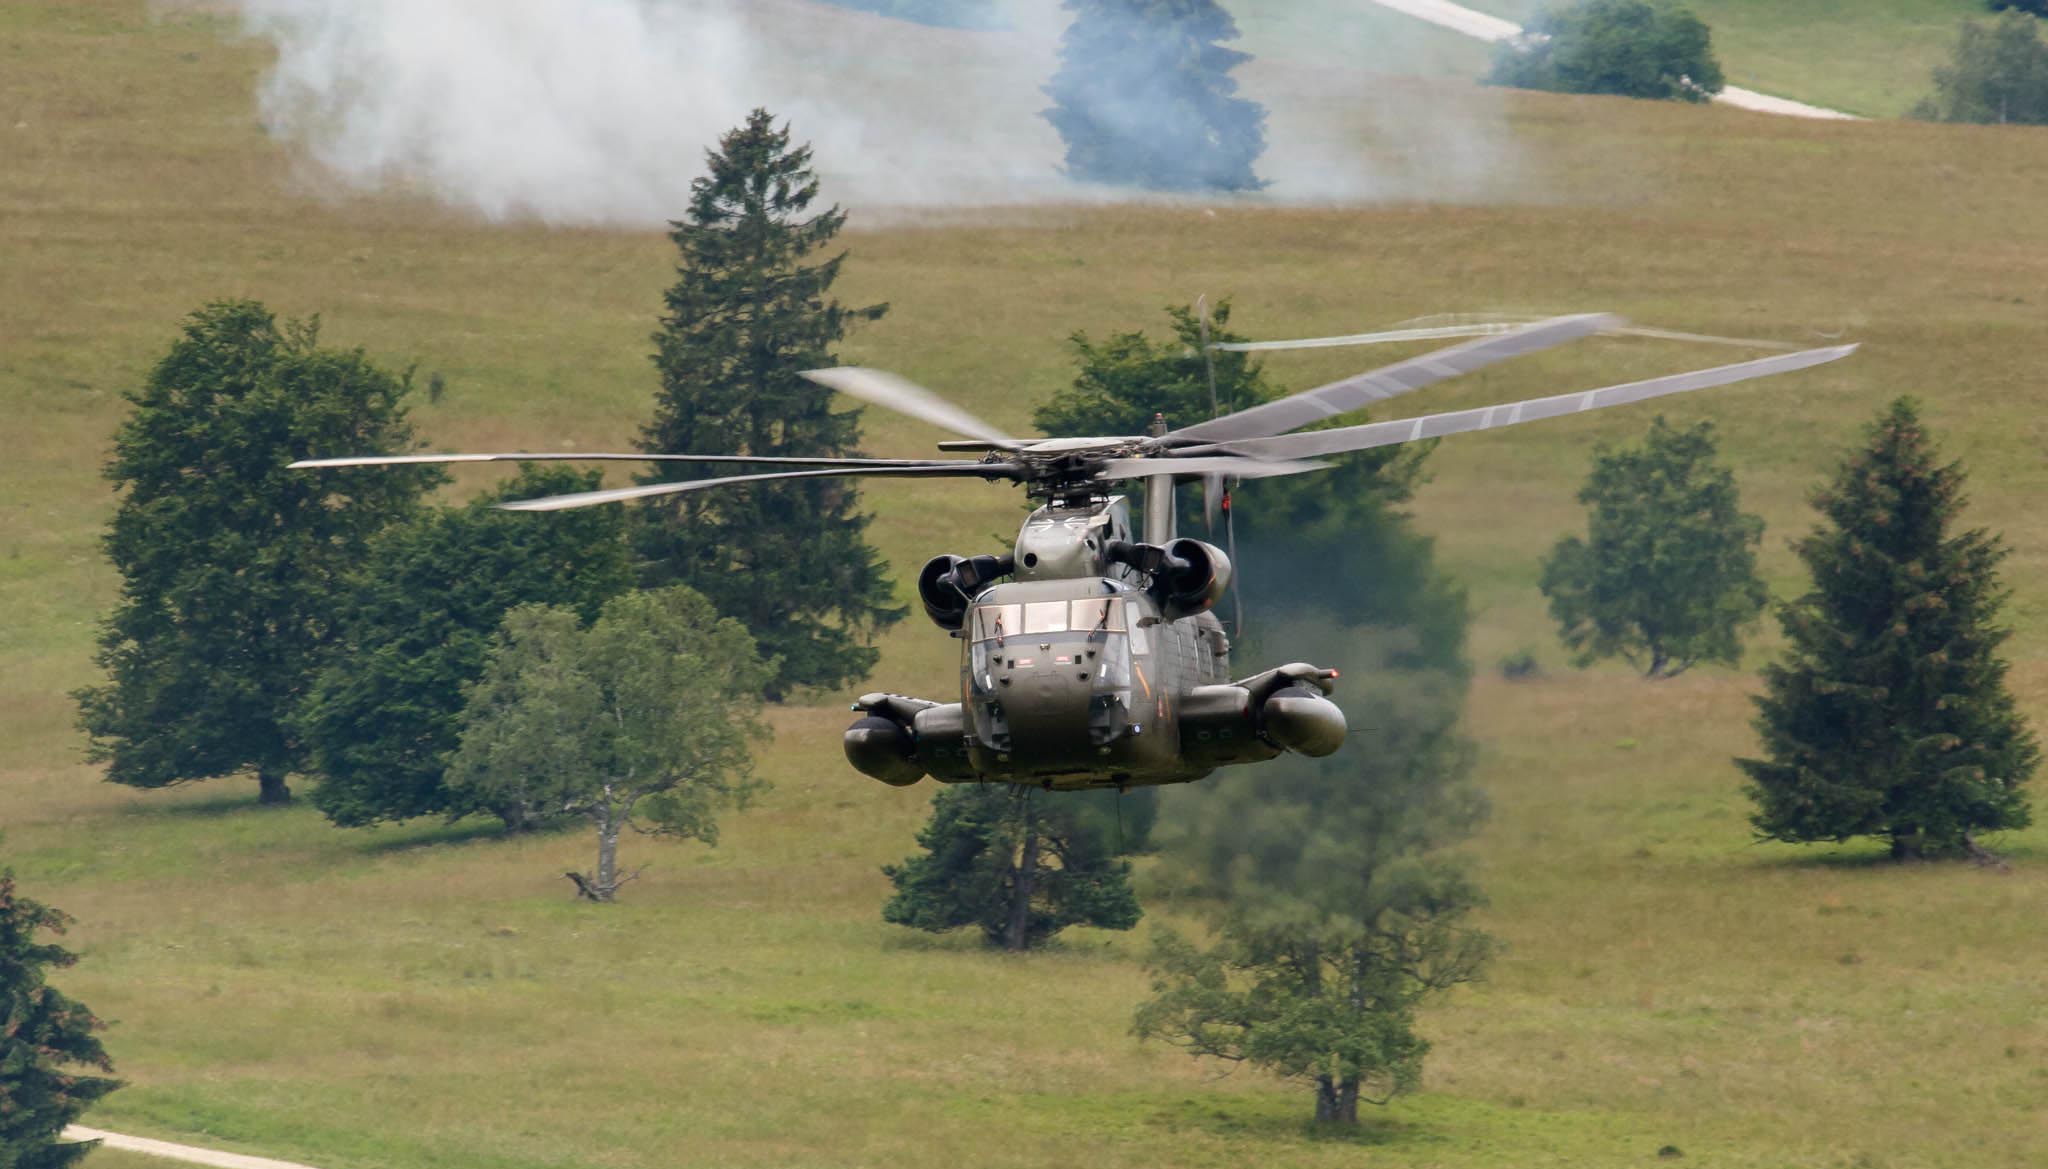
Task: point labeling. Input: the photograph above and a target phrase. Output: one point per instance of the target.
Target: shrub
(1627, 48)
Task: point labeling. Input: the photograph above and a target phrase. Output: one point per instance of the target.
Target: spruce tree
(45, 1038)
(749, 311)
(231, 563)
(1890, 716)
(1020, 864)
(1144, 97)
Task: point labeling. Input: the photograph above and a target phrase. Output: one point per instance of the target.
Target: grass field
(431, 996)
(1870, 57)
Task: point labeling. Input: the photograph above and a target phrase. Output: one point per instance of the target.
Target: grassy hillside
(430, 995)
(1870, 57)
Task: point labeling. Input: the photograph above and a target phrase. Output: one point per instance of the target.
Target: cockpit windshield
(1094, 615)
(1045, 617)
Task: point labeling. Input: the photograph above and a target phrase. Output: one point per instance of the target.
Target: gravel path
(1458, 18)
(171, 1152)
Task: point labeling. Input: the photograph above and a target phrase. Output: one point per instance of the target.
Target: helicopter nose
(1047, 701)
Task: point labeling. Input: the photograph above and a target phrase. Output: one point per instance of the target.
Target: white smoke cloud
(579, 112)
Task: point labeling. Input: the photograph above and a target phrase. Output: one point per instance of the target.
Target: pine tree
(746, 316)
(1889, 716)
(1667, 576)
(231, 563)
(1020, 864)
(1144, 97)
(45, 1038)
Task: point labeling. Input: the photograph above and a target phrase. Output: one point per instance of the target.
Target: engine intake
(1188, 576)
(948, 584)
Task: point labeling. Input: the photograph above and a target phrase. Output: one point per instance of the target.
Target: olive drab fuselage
(1082, 669)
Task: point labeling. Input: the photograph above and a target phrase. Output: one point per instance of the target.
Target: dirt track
(171, 1152)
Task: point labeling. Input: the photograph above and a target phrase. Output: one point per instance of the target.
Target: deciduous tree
(1628, 48)
(1144, 97)
(749, 311)
(1666, 575)
(1335, 542)
(1335, 903)
(1019, 864)
(46, 1041)
(416, 620)
(231, 564)
(641, 721)
(1889, 715)
(1997, 74)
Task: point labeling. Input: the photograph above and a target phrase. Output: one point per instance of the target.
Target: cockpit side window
(1105, 614)
(992, 622)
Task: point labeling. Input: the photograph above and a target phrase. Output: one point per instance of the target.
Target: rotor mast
(1158, 496)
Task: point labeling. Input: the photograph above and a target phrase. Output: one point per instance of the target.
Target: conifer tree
(45, 1038)
(1666, 576)
(1020, 864)
(1890, 716)
(1144, 97)
(231, 563)
(749, 311)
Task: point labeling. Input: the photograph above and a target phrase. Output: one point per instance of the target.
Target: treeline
(337, 623)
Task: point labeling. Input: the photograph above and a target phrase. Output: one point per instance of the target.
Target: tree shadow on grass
(391, 840)
(212, 806)
(1876, 856)
(1267, 1118)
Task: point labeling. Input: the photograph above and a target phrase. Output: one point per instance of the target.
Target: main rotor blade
(1387, 337)
(533, 457)
(1486, 328)
(1341, 397)
(962, 470)
(907, 397)
(1242, 468)
(1376, 434)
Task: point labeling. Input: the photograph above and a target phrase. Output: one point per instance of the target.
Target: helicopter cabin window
(992, 622)
(1136, 615)
(1045, 617)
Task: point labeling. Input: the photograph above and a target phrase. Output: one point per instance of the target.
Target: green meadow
(432, 995)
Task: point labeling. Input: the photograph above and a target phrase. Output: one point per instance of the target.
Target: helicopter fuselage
(1096, 663)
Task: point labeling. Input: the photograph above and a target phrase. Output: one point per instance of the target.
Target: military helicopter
(1091, 656)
